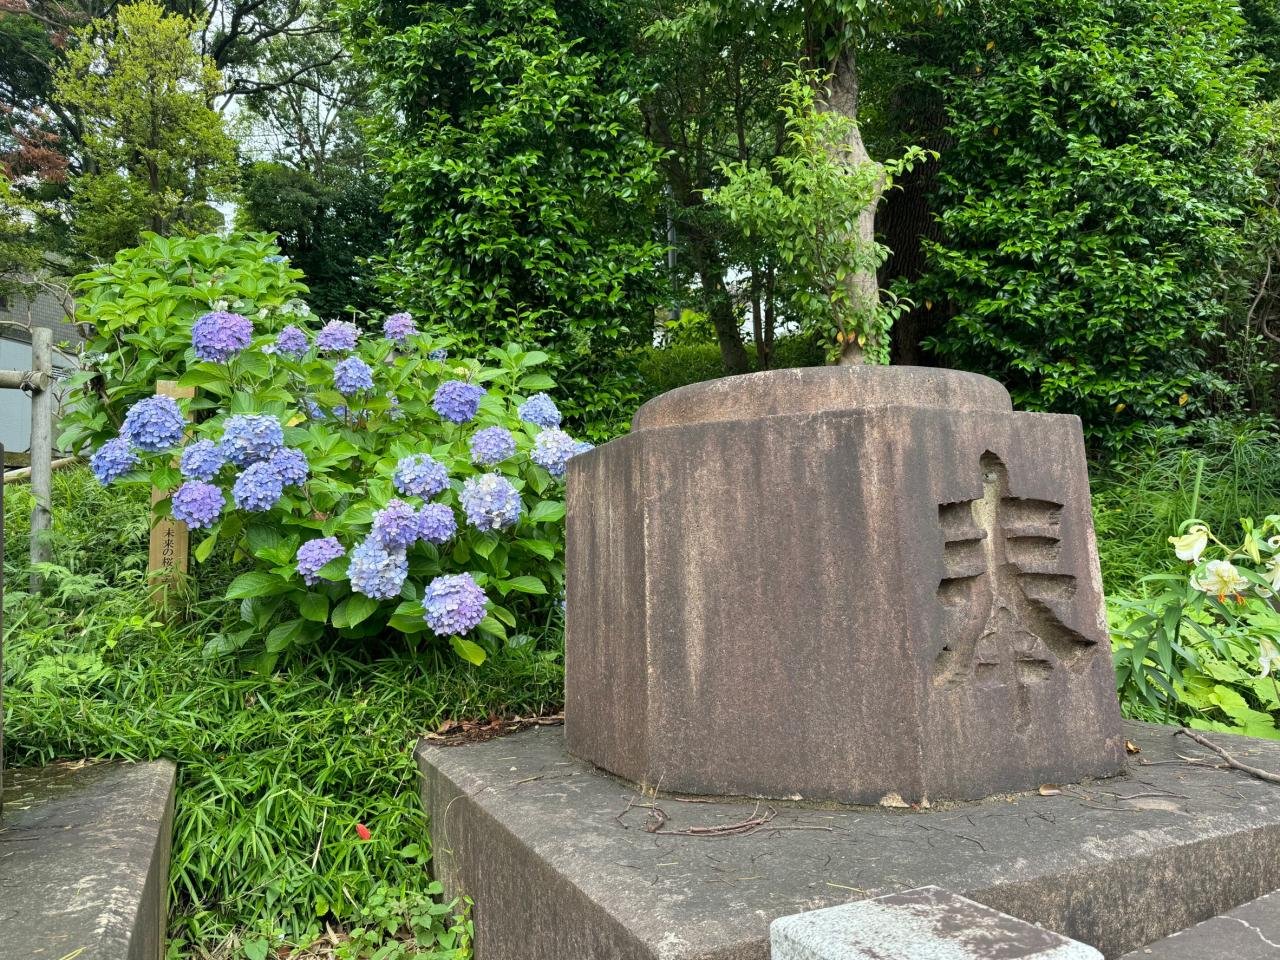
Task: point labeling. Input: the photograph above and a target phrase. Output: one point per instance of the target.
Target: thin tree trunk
(840, 95)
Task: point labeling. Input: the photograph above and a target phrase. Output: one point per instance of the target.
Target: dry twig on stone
(1228, 759)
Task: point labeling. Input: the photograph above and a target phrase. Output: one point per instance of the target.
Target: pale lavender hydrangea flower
(292, 341)
(492, 445)
(197, 504)
(315, 554)
(399, 327)
(201, 460)
(376, 571)
(420, 475)
(457, 401)
(250, 438)
(436, 523)
(219, 336)
(540, 410)
(154, 424)
(259, 488)
(351, 376)
(113, 460)
(454, 605)
(337, 336)
(291, 465)
(553, 449)
(396, 524)
(490, 502)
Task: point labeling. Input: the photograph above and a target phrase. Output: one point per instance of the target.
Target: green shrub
(664, 368)
(274, 770)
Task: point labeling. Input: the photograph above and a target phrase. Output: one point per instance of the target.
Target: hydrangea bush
(373, 481)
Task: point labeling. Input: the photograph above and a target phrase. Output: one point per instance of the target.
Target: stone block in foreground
(841, 583)
(1249, 932)
(928, 923)
(559, 862)
(84, 861)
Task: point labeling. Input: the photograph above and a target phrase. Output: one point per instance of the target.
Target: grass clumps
(275, 771)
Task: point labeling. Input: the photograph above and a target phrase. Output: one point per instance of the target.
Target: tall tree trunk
(840, 95)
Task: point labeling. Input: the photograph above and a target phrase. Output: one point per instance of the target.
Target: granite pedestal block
(84, 862)
(925, 924)
(565, 862)
(1249, 932)
(872, 584)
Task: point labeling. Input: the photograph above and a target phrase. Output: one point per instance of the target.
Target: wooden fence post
(41, 450)
(168, 558)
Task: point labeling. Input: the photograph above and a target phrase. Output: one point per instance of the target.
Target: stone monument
(831, 632)
(872, 584)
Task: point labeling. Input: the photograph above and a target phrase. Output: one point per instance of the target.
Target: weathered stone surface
(1250, 932)
(84, 861)
(557, 857)
(853, 584)
(927, 923)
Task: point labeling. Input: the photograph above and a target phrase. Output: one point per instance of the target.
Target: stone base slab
(564, 861)
(1249, 932)
(84, 861)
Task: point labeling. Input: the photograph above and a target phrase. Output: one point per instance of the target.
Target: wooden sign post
(170, 540)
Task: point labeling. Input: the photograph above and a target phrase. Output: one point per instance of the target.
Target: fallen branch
(1230, 760)
(24, 473)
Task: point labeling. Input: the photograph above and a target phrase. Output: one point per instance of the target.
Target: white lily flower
(1191, 544)
(1268, 656)
(1220, 578)
(1273, 573)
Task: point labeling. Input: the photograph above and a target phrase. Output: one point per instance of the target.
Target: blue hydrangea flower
(553, 449)
(454, 604)
(399, 327)
(113, 460)
(154, 424)
(291, 465)
(376, 571)
(250, 438)
(351, 376)
(436, 523)
(583, 446)
(420, 475)
(274, 258)
(396, 524)
(490, 502)
(257, 489)
(457, 401)
(219, 336)
(315, 554)
(197, 504)
(337, 336)
(291, 341)
(201, 460)
(492, 445)
(540, 410)
(439, 355)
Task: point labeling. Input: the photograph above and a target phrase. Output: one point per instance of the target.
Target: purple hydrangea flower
(337, 336)
(250, 438)
(454, 604)
(457, 401)
(490, 502)
(540, 410)
(492, 445)
(291, 465)
(197, 504)
(396, 524)
(316, 412)
(436, 523)
(257, 489)
(292, 341)
(439, 355)
(420, 475)
(201, 460)
(154, 424)
(113, 460)
(399, 327)
(553, 449)
(315, 554)
(351, 376)
(219, 336)
(376, 571)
